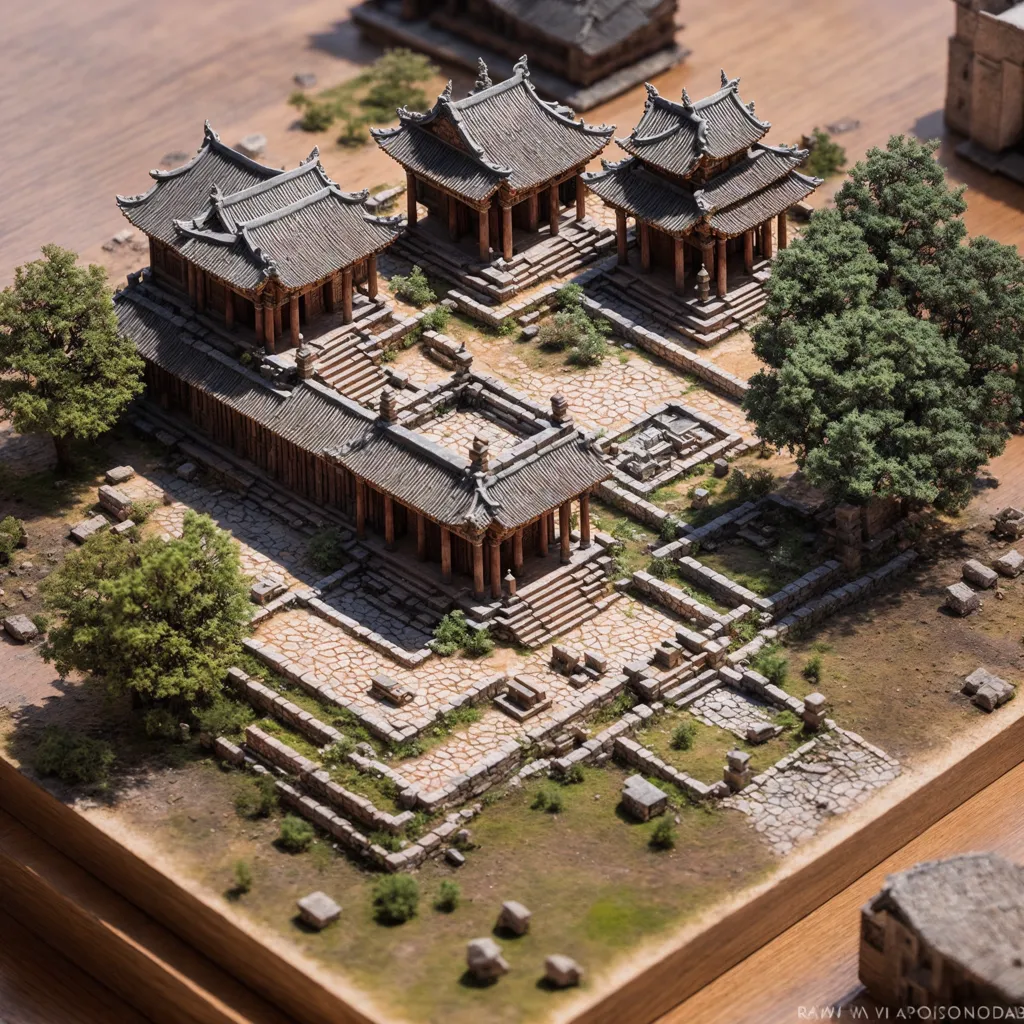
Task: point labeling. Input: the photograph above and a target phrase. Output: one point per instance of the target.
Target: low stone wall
(808, 584)
(261, 696)
(633, 505)
(597, 696)
(634, 754)
(279, 604)
(721, 587)
(395, 333)
(674, 599)
(488, 772)
(602, 745)
(493, 316)
(749, 681)
(451, 354)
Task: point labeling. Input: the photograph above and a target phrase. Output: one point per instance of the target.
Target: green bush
(436, 319)
(414, 288)
(826, 157)
(41, 622)
(661, 568)
(450, 634)
(588, 351)
(744, 630)
(159, 723)
(448, 895)
(812, 670)
(325, 550)
(575, 775)
(549, 800)
(507, 327)
(664, 835)
(683, 735)
(140, 511)
(669, 527)
(224, 717)
(354, 133)
(12, 535)
(296, 834)
(788, 720)
(317, 116)
(243, 876)
(73, 758)
(480, 643)
(465, 715)
(396, 899)
(772, 664)
(388, 840)
(751, 486)
(256, 797)
(569, 296)
(337, 753)
(395, 77)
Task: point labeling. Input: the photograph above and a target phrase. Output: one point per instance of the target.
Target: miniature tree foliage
(892, 349)
(161, 619)
(65, 368)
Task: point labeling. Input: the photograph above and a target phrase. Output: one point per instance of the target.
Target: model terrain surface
(470, 542)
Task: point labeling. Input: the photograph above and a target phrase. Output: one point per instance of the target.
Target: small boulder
(484, 960)
(454, 857)
(82, 531)
(562, 971)
(20, 628)
(119, 475)
(980, 575)
(701, 496)
(515, 917)
(318, 910)
(187, 471)
(961, 600)
(123, 527)
(761, 732)
(986, 690)
(1011, 564)
(532, 331)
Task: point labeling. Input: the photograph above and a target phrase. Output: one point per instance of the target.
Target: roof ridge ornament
(521, 67)
(687, 102)
(750, 106)
(208, 131)
(446, 93)
(483, 79)
(725, 77)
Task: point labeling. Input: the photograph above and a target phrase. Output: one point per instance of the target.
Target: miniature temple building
(702, 187)
(947, 933)
(498, 160)
(256, 247)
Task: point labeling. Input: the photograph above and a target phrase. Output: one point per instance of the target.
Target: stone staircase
(556, 603)
(577, 244)
(351, 365)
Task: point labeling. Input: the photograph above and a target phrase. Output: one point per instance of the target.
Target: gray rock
(988, 691)
(318, 910)
(721, 467)
(978, 574)
(484, 960)
(1011, 564)
(122, 527)
(532, 331)
(119, 475)
(252, 145)
(82, 531)
(20, 628)
(701, 496)
(761, 732)
(515, 917)
(642, 799)
(562, 971)
(454, 857)
(961, 600)
(187, 471)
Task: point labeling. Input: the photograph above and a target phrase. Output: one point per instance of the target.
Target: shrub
(414, 288)
(73, 758)
(41, 622)
(337, 753)
(753, 485)
(549, 800)
(574, 776)
(317, 116)
(243, 876)
(448, 895)
(396, 899)
(388, 840)
(465, 715)
(140, 511)
(826, 157)
(159, 723)
(451, 633)
(744, 630)
(661, 568)
(354, 133)
(664, 835)
(812, 670)
(507, 327)
(480, 643)
(224, 717)
(569, 296)
(296, 834)
(772, 664)
(436, 319)
(395, 78)
(668, 529)
(12, 535)
(683, 735)
(256, 798)
(589, 351)
(788, 720)
(325, 550)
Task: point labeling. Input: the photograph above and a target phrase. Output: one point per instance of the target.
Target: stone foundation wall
(810, 583)
(726, 590)
(633, 505)
(264, 698)
(674, 599)
(634, 754)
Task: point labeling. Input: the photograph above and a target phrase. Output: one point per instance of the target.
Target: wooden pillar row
(679, 262)
(421, 536)
(585, 520)
(478, 568)
(748, 251)
(410, 198)
(453, 218)
(645, 247)
(517, 552)
(533, 211)
(542, 536)
(293, 320)
(346, 295)
(782, 230)
(564, 531)
(484, 234)
(722, 266)
(553, 209)
(229, 306)
(446, 554)
(495, 570)
(371, 276)
(620, 237)
(581, 198)
(389, 522)
(506, 232)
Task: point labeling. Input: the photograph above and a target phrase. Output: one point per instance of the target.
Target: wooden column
(766, 239)
(279, 321)
(495, 555)
(722, 265)
(191, 273)
(517, 552)
(533, 212)
(564, 537)
(371, 276)
(293, 320)
(494, 220)
(553, 209)
(257, 309)
(645, 247)
(360, 509)
(484, 234)
(782, 230)
(620, 236)
(581, 198)
(271, 322)
(201, 290)
(346, 295)
(453, 218)
(446, 554)
(421, 536)
(410, 198)
(585, 520)
(506, 232)
(389, 522)
(542, 536)
(748, 251)
(229, 306)
(679, 262)
(329, 293)
(478, 568)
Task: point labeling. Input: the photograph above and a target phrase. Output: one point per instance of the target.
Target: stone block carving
(318, 910)
(978, 574)
(987, 691)
(642, 799)
(484, 960)
(961, 600)
(514, 917)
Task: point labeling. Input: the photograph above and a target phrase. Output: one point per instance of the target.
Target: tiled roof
(760, 186)
(970, 908)
(397, 460)
(503, 133)
(245, 223)
(675, 137)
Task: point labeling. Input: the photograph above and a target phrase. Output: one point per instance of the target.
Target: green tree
(892, 349)
(161, 619)
(65, 368)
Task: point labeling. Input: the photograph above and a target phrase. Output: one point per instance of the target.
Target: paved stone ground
(789, 805)
(378, 604)
(455, 431)
(729, 709)
(24, 454)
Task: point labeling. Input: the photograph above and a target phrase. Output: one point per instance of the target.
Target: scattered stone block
(484, 960)
(961, 600)
(815, 709)
(642, 799)
(454, 857)
(565, 659)
(1011, 564)
(187, 471)
(384, 687)
(523, 698)
(82, 531)
(737, 770)
(721, 467)
(596, 662)
(761, 732)
(119, 475)
(562, 971)
(1009, 523)
(515, 917)
(266, 588)
(987, 691)
(122, 527)
(115, 501)
(20, 628)
(701, 497)
(532, 331)
(978, 574)
(318, 910)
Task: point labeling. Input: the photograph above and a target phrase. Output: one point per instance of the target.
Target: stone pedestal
(737, 772)
(815, 709)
